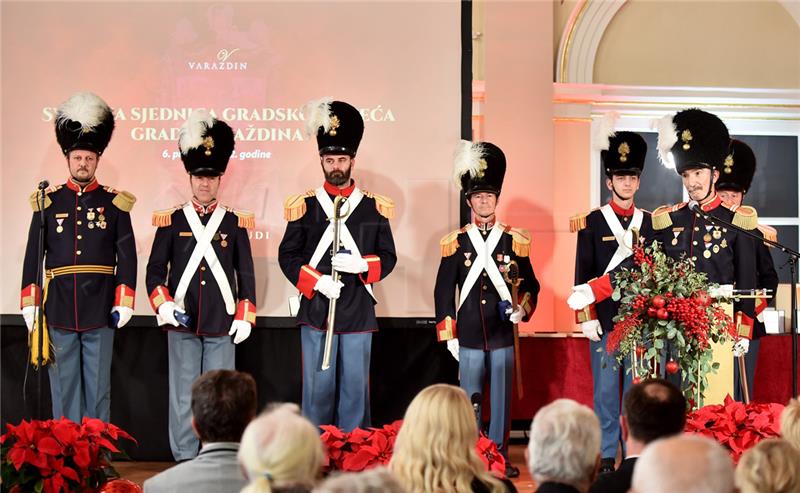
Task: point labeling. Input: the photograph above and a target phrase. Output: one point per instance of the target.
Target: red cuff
(124, 296)
(307, 280)
(761, 305)
(601, 288)
(744, 326)
(31, 295)
(246, 310)
(524, 300)
(373, 273)
(159, 296)
(446, 329)
(588, 313)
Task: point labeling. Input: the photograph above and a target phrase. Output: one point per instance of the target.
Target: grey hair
(684, 463)
(376, 480)
(564, 443)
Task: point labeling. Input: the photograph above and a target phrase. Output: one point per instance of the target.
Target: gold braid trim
(520, 241)
(383, 204)
(124, 201)
(661, 218)
(294, 207)
(449, 243)
(745, 217)
(577, 222)
(163, 218)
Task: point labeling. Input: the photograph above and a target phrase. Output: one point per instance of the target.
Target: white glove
(581, 297)
(328, 287)
(723, 291)
(240, 330)
(515, 316)
(125, 315)
(741, 347)
(167, 313)
(29, 313)
(760, 317)
(452, 346)
(345, 262)
(592, 330)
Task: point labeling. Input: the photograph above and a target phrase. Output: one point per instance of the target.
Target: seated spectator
(376, 480)
(564, 447)
(771, 466)
(790, 423)
(683, 464)
(223, 402)
(281, 452)
(435, 448)
(651, 410)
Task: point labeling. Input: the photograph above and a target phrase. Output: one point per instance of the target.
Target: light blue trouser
(750, 360)
(80, 376)
(189, 357)
(473, 366)
(340, 394)
(607, 402)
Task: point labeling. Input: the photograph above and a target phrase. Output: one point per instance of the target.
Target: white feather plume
(194, 129)
(667, 137)
(466, 159)
(603, 130)
(83, 107)
(317, 114)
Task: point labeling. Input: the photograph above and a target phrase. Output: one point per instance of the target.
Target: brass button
(80, 237)
(80, 222)
(483, 302)
(80, 193)
(694, 242)
(203, 267)
(78, 252)
(80, 208)
(696, 228)
(485, 274)
(485, 287)
(694, 258)
(202, 283)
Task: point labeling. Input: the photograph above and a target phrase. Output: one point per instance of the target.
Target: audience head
(685, 464)
(223, 402)
(653, 409)
(435, 448)
(564, 445)
(376, 480)
(280, 449)
(771, 466)
(790, 423)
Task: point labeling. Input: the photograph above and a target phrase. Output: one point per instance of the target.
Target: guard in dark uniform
(734, 182)
(696, 144)
(200, 275)
(605, 239)
(338, 395)
(90, 266)
(479, 325)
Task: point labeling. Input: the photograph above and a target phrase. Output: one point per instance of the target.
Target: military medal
(716, 248)
(467, 262)
(216, 236)
(707, 238)
(101, 217)
(102, 224)
(90, 215)
(707, 254)
(60, 228)
(724, 243)
(224, 242)
(674, 241)
(90, 225)
(717, 234)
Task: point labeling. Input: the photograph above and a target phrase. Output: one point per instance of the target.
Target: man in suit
(223, 403)
(652, 409)
(564, 447)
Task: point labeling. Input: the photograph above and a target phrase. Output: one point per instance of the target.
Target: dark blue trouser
(606, 376)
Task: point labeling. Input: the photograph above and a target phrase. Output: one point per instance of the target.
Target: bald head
(685, 464)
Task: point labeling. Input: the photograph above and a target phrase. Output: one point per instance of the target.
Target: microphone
(43, 184)
(693, 206)
(476, 404)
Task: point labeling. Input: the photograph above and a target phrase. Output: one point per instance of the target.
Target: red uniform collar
(76, 187)
(712, 203)
(485, 226)
(620, 211)
(204, 209)
(334, 190)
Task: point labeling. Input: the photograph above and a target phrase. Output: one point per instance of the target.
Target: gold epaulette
(745, 217)
(294, 207)
(34, 198)
(449, 242)
(520, 241)
(163, 218)
(769, 232)
(124, 200)
(661, 218)
(578, 222)
(247, 219)
(384, 204)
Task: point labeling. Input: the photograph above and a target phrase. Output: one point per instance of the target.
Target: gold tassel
(163, 218)
(294, 207)
(247, 219)
(34, 200)
(745, 217)
(661, 218)
(769, 232)
(33, 341)
(124, 201)
(385, 206)
(521, 241)
(449, 243)
(577, 222)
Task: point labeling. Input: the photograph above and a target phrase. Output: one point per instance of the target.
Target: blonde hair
(279, 449)
(772, 466)
(435, 448)
(790, 423)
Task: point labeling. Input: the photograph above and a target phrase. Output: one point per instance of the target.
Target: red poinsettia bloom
(491, 457)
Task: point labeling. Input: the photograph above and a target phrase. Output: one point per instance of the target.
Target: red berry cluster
(640, 257)
(622, 329)
(693, 316)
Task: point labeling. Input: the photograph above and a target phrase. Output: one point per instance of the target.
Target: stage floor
(138, 472)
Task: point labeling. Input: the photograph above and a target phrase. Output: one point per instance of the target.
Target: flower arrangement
(666, 308)
(58, 455)
(735, 425)
(363, 449)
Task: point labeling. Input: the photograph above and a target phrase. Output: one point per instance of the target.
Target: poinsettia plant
(665, 307)
(735, 425)
(363, 449)
(58, 455)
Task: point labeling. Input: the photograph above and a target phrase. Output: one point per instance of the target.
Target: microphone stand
(39, 310)
(793, 258)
